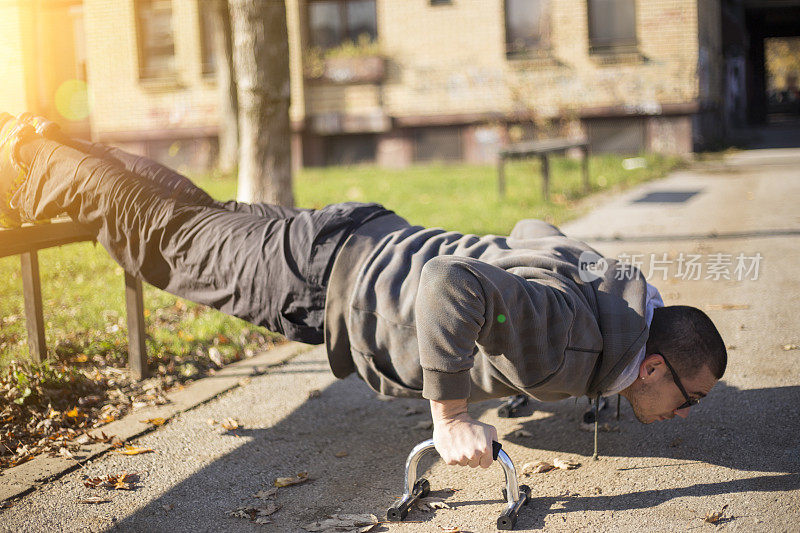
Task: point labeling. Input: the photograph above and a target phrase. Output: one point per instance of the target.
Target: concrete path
(740, 447)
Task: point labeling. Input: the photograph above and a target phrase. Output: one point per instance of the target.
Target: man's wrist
(446, 410)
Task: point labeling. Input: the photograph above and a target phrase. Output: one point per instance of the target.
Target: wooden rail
(26, 242)
(541, 149)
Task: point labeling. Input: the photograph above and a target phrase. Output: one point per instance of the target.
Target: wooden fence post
(137, 350)
(32, 293)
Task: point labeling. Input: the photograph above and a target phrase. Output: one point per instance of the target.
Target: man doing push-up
(416, 312)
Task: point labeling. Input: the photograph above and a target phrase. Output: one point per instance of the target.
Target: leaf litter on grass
(45, 406)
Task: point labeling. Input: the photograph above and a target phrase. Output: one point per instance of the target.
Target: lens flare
(72, 100)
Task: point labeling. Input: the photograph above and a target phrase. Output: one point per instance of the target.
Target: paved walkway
(740, 447)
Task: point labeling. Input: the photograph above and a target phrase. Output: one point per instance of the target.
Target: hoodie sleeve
(463, 304)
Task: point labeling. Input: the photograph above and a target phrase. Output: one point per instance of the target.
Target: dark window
(441, 2)
(437, 144)
(156, 45)
(527, 26)
(207, 29)
(612, 24)
(349, 149)
(617, 135)
(333, 22)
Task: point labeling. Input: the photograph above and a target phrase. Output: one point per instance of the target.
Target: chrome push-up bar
(414, 489)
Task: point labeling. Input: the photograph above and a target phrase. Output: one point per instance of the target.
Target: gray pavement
(740, 447)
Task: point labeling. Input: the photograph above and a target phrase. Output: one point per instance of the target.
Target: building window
(334, 22)
(155, 39)
(207, 29)
(527, 26)
(626, 135)
(440, 143)
(612, 25)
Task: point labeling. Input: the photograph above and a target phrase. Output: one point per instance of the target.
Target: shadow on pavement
(752, 430)
(541, 507)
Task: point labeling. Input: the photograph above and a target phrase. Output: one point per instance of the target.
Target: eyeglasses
(689, 401)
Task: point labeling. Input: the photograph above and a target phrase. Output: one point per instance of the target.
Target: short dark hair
(688, 339)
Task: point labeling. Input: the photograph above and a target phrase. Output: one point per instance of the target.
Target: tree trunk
(261, 58)
(226, 87)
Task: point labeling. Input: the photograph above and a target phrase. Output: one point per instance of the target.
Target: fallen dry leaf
(230, 424)
(450, 529)
(102, 438)
(266, 494)
(65, 453)
(256, 514)
(536, 468)
(715, 516)
(788, 347)
(124, 481)
(168, 507)
(341, 454)
(94, 499)
(429, 503)
(521, 433)
(360, 523)
(423, 424)
(314, 393)
(75, 413)
(215, 356)
(410, 411)
(155, 421)
(133, 450)
(302, 477)
(563, 464)
(93, 482)
(211, 422)
(727, 307)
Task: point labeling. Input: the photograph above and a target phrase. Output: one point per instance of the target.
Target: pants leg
(182, 187)
(270, 271)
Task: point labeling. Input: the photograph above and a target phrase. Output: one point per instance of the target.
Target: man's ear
(652, 366)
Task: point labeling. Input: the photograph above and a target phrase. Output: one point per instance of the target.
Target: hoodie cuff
(444, 385)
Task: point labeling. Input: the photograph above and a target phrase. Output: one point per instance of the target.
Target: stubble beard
(633, 399)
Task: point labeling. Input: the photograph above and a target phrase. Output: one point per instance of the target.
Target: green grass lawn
(83, 289)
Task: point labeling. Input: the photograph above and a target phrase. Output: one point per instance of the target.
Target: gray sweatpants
(266, 264)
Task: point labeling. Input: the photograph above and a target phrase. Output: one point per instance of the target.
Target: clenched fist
(458, 438)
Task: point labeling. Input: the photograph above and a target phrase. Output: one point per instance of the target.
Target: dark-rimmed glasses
(689, 401)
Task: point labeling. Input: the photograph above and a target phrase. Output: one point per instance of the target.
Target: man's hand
(458, 438)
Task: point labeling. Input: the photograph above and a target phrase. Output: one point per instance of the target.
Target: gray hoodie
(442, 315)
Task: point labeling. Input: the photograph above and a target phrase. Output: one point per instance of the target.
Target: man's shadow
(742, 429)
(752, 430)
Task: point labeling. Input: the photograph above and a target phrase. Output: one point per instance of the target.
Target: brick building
(427, 79)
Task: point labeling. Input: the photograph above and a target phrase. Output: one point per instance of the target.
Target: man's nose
(683, 413)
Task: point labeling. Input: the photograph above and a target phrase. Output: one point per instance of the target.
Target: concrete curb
(26, 477)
